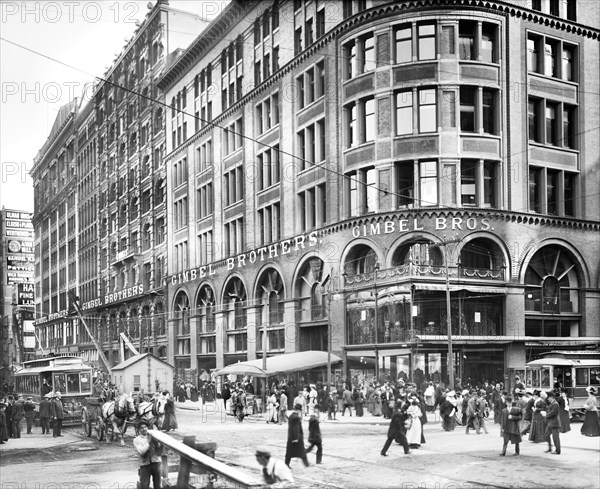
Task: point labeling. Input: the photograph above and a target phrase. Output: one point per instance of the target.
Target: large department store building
(351, 162)
(100, 215)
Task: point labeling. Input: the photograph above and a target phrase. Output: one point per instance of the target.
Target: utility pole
(448, 318)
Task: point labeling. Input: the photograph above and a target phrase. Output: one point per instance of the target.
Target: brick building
(100, 203)
(352, 163)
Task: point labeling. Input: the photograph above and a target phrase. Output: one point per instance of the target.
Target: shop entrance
(482, 364)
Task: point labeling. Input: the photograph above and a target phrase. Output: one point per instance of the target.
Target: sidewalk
(216, 408)
(37, 441)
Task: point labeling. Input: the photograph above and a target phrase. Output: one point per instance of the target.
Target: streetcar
(573, 370)
(67, 374)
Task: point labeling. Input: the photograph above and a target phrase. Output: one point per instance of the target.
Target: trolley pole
(75, 303)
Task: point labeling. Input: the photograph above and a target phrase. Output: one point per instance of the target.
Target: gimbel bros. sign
(389, 226)
(297, 243)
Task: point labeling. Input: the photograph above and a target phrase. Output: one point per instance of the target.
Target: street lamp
(329, 282)
(375, 270)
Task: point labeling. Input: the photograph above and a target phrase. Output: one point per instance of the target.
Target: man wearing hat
(552, 423)
(45, 413)
(18, 411)
(29, 408)
(3, 430)
(526, 403)
(397, 430)
(295, 443)
(274, 470)
(482, 410)
(57, 413)
(150, 452)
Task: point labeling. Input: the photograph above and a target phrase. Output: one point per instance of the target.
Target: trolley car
(67, 374)
(572, 370)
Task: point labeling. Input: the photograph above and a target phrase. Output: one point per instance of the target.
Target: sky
(84, 35)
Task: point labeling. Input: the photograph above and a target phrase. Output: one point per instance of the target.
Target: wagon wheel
(99, 427)
(86, 423)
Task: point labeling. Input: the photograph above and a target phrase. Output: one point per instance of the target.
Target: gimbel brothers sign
(300, 242)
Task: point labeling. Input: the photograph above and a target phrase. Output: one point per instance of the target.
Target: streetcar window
(545, 377)
(73, 383)
(595, 376)
(582, 377)
(533, 377)
(60, 383)
(85, 382)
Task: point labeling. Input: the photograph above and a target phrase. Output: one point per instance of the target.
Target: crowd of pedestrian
(16, 412)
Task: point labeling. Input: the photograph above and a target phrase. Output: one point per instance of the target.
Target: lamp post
(329, 327)
(376, 317)
(449, 323)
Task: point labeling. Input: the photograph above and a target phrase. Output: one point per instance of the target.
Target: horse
(152, 411)
(115, 414)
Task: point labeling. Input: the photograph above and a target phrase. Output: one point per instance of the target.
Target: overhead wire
(243, 135)
(306, 162)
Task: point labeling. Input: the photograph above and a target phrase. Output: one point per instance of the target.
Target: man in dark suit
(18, 412)
(295, 443)
(397, 431)
(56, 409)
(29, 408)
(552, 423)
(45, 413)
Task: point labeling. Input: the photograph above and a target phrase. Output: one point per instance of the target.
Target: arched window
(112, 327)
(552, 282)
(552, 292)
(234, 306)
(418, 253)
(234, 303)
(134, 324)
(181, 314)
(205, 306)
(270, 295)
(361, 259)
(316, 302)
(159, 318)
(146, 324)
(122, 322)
(481, 258)
(309, 289)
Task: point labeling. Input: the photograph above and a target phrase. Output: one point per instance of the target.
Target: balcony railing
(433, 271)
(123, 256)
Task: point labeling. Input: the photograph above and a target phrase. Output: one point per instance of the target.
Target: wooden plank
(214, 466)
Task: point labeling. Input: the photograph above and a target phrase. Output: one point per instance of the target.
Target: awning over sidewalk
(288, 362)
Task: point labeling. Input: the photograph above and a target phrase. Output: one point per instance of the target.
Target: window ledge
(312, 104)
(535, 144)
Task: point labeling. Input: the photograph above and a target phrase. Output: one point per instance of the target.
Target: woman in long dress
(272, 408)
(429, 397)
(413, 434)
(447, 411)
(536, 434)
(376, 402)
(591, 424)
(170, 421)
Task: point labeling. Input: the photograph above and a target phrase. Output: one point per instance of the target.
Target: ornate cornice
(432, 213)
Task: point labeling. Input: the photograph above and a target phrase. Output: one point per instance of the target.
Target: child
(509, 425)
(331, 405)
(314, 435)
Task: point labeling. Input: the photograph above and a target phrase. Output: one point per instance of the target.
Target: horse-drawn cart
(91, 418)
